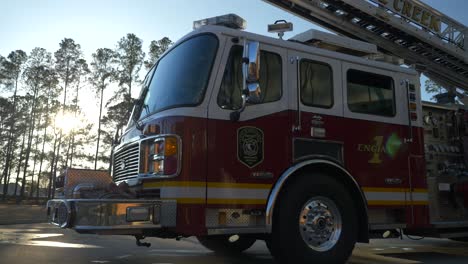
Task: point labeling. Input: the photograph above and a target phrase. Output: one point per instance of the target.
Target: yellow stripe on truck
(218, 201)
(148, 185)
(191, 192)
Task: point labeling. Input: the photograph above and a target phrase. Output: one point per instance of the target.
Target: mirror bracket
(234, 116)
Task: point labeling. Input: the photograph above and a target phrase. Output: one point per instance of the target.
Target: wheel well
(341, 176)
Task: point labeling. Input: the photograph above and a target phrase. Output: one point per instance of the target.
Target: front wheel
(227, 244)
(314, 221)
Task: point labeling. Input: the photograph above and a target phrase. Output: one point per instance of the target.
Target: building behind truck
(307, 143)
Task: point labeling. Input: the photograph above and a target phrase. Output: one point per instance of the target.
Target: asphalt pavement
(43, 243)
(11, 214)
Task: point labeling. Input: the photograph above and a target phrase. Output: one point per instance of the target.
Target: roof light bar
(230, 20)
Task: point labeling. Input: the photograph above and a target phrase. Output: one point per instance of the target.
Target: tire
(225, 244)
(327, 202)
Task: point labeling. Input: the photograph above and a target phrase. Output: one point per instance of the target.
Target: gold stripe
(263, 201)
(204, 184)
(380, 189)
(173, 184)
(375, 202)
(239, 185)
(257, 186)
(187, 200)
(217, 201)
(236, 201)
(420, 190)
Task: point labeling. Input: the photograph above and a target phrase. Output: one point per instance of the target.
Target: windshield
(181, 76)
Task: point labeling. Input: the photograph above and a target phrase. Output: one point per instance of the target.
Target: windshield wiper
(136, 113)
(146, 107)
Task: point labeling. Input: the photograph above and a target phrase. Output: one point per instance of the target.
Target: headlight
(160, 156)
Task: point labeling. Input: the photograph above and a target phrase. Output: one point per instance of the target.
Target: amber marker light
(170, 146)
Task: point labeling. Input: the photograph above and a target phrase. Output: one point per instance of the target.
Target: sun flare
(66, 122)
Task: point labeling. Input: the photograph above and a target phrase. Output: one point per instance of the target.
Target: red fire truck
(309, 144)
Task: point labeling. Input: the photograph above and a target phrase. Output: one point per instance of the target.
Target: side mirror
(251, 91)
(252, 53)
(251, 71)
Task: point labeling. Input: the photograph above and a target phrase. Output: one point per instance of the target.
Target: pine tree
(129, 59)
(38, 67)
(156, 49)
(102, 73)
(82, 73)
(11, 70)
(67, 65)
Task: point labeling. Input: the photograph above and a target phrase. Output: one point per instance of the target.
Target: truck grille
(126, 162)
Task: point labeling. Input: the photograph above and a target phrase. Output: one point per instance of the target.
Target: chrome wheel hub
(320, 223)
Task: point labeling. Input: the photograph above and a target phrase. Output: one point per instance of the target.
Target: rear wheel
(314, 221)
(227, 244)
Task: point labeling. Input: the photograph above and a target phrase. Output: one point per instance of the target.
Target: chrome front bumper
(112, 216)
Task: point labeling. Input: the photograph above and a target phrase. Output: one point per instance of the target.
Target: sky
(25, 24)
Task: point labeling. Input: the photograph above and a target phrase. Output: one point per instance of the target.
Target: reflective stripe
(396, 196)
(149, 185)
(216, 195)
(251, 193)
(226, 193)
(237, 201)
(183, 192)
(383, 189)
(218, 201)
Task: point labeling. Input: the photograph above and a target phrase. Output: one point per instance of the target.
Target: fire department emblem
(123, 165)
(250, 146)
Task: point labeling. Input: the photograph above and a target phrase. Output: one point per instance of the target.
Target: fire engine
(312, 144)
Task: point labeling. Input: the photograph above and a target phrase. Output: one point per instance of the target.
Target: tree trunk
(32, 122)
(35, 159)
(99, 130)
(44, 137)
(66, 83)
(72, 150)
(7, 167)
(42, 160)
(18, 170)
(49, 191)
(8, 180)
(57, 157)
(67, 80)
(130, 88)
(76, 114)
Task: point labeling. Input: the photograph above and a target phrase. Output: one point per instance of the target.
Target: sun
(66, 122)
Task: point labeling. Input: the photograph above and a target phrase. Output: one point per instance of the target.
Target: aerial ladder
(430, 41)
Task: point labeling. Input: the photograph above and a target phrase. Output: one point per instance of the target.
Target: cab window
(370, 93)
(229, 96)
(316, 84)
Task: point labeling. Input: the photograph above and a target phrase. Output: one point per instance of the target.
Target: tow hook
(141, 244)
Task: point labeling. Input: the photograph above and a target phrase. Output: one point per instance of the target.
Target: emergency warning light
(230, 20)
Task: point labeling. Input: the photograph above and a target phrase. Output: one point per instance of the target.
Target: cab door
(246, 156)
(318, 107)
(378, 147)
